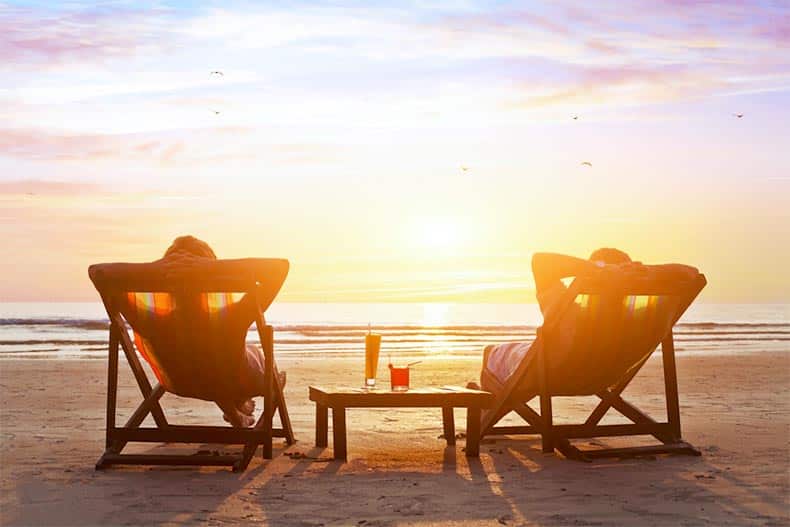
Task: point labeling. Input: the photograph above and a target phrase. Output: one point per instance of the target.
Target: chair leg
(547, 436)
(246, 457)
(268, 415)
(282, 409)
(671, 384)
(491, 417)
(112, 386)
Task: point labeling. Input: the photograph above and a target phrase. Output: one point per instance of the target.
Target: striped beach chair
(189, 319)
(593, 343)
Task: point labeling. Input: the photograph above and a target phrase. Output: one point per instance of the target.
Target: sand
(735, 409)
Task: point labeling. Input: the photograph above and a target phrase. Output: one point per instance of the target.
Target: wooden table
(446, 398)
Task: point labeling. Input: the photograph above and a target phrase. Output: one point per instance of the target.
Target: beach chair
(593, 342)
(179, 313)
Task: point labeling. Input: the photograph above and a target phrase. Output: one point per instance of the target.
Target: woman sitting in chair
(239, 410)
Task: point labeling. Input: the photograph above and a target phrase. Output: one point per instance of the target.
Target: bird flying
(738, 115)
(217, 72)
(587, 163)
(575, 117)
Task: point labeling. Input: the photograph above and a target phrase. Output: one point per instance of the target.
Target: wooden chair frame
(117, 437)
(554, 436)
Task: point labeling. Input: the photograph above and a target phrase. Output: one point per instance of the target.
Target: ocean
(79, 330)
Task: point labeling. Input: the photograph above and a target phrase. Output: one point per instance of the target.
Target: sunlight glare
(435, 314)
(438, 233)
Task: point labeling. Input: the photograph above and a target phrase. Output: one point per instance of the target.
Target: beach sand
(734, 408)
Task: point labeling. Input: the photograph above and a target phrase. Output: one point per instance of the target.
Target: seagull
(217, 72)
(738, 115)
(216, 112)
(575, 117)
(587, 163)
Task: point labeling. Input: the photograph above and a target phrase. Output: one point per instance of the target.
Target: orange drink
(372, 348)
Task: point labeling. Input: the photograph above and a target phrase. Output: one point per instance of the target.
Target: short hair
(609, 255)
(191, 246)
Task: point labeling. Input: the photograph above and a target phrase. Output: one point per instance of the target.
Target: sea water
(79, 330)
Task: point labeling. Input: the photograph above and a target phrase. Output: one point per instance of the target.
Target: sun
(439, 233)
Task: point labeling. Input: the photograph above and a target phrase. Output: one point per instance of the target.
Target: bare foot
(246, 407)
(232, 415)
(239, 420)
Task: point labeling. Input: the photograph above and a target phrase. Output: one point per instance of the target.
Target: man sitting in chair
(549, 269)
(238, 412)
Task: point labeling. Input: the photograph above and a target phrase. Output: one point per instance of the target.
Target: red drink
(399, 379)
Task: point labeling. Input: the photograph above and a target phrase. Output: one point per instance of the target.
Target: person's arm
(550, 268)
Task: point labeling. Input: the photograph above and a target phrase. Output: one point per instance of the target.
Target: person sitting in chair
(549, 269)
(237, 412)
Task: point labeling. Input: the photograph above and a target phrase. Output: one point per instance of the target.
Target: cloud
(508, 20)
(45, 187)
(621, 85)
(633, 53)
(39, 145)
(39, 37)
(311, 65)
(168, 148)
(776, 30)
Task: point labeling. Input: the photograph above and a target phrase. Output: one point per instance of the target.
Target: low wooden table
(446, 398)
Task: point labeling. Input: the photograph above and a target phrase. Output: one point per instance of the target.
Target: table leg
(339, 432)
(473, 431)
(321, 424)
(448, 421)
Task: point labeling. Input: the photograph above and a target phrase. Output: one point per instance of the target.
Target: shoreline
(100, 355)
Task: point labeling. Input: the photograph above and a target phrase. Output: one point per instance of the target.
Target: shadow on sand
(512, 483)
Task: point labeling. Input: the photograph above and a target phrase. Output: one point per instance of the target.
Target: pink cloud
(180, 147)
(39, 145)
(37, 37)
(44, 187)
(776, 30)
(497, 21)
(603, 86)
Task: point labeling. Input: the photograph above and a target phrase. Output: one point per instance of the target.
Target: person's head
(189, 245)
(610, 256)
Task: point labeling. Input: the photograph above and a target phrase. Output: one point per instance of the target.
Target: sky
(396, 151)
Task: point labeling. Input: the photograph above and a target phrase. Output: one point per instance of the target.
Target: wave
(75, 323)
(53, 342)
(308, 329)
(316, 344)
(711, 325)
